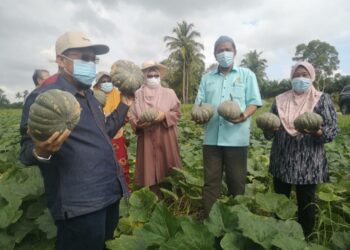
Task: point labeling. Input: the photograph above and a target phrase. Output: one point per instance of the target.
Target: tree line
(186, 66)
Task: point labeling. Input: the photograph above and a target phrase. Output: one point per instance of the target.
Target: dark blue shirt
(83, 176)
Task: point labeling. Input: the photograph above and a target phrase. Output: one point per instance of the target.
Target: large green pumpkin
(100, 96)
(268, 121)
(308, 120)
(127, 76)
(149, 115)
(202, 113)
(229, 110)
(53, 110)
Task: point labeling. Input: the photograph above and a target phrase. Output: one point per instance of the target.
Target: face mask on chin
(83, 72)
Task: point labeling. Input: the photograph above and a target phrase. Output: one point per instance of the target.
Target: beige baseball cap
(75, 40)
(153, 64)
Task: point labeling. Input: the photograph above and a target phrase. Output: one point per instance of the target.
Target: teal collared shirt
(216, 88)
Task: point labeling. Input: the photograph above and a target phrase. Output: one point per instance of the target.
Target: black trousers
(88, 231)
(305, 198)
(216, 159)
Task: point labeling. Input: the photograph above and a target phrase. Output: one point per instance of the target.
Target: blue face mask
(106, 87)
(301, 84)
(225, 59)
(84, 72)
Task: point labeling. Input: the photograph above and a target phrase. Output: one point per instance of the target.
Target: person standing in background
(103, 83)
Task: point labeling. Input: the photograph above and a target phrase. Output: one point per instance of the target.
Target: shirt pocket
(210, 90)
(238, 93)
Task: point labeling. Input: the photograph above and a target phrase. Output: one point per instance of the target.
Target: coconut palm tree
(258, 65)
(187, 51)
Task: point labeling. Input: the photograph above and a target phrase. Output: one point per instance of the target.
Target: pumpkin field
(260, 219)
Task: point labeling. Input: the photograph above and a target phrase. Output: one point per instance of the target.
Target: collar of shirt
(234, 69)
(71, 88)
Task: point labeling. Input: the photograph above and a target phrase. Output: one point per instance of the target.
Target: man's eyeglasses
(84, 57)
(152, 76)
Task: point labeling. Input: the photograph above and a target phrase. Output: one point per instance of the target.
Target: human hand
(128, 100)
(160, 117)
(51, 145)
(240, 119)
(317, 133)
(143, 124)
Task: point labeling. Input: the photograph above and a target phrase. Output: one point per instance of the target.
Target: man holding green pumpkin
(226, 140)
(83, 180)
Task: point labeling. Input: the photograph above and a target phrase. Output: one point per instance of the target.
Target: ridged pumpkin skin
(126, 76)
(100, 96)
(309, 120)
(202, 113)
(149, 115)
(229, 110)
(53, 110)
(268, 121)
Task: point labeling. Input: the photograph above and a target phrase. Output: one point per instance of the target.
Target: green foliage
(323, 56)
(24, 222)
(185, 61)
(258, 65)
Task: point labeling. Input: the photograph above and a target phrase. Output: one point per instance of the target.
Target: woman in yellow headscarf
(103, 82)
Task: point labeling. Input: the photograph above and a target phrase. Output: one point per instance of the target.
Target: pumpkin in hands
(202, 113)
(126, 76)
(229, 110)
(53, 110)
(308, 121)
(268, 121)
(149, 115)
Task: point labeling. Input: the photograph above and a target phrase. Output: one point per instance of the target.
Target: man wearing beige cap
(83, 180)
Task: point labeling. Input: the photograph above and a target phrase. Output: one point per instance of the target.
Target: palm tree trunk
(187, 84)
(183, 82)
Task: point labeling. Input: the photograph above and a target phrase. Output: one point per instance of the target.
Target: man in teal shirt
(226, 142)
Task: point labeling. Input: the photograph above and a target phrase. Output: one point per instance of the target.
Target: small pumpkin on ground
(268, 121)
(202, 113)
(126, 76)
(100, 96)
(308, 121)
(149, 115)
(53, 110)
(229, 110)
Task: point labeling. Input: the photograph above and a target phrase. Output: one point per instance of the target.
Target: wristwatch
(39, 158)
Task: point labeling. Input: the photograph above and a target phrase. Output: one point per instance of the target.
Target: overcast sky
(134, 30)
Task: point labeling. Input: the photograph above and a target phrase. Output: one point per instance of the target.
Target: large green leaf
(21, 228)
(141, 204)
(193, 236)
(340, 240)
(263, 230)
(46, 224)
(7, 242)
(288, 243)
(222, 219)
(279, 204)
(9, 212)
(236, 241)
(161, 227)
(127, 242)
(328, 197)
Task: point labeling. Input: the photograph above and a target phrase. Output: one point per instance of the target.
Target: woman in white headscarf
(298, 157)
(157, 146)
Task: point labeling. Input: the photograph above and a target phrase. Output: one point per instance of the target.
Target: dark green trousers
(216, 159)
